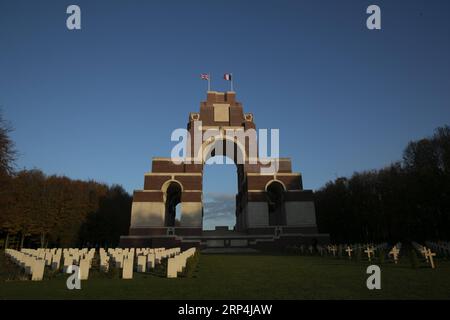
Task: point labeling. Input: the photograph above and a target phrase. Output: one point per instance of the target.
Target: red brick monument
(272, 208)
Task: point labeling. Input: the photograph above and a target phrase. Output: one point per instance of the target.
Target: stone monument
(272, 207)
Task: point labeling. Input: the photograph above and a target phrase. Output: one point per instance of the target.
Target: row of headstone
(120, 258)
(52, 257)
(139, 260)
(349, 250)
(71, 256)
(177, 263)
(33, 266)
(394, 252)
(34, 261)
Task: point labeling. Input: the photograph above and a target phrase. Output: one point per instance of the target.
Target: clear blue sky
(100, 102)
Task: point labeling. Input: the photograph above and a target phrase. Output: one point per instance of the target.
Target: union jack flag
(204, 76)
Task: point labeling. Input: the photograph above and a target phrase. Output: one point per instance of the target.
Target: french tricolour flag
(227, 76)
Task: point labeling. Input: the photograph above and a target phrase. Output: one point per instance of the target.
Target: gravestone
(141, 263)
(172, 268)
(37, 269)
(56, 261)
(68, 261)
(394, 253)
(158, 257)
(151, 261)
(333, 249)
(119, 259)
(429, 255)
(424, 252)
(127, 272)
(84, 269)
(104, 262)
(349, 252)
(369, 252)
(48, 259)
(27, 263)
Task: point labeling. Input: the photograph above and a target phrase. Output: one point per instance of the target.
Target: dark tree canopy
(43, 210)
(58, 211)
(408, 200)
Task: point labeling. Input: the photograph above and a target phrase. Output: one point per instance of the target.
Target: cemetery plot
(144, 268)
(34, 262)
(351, 251)
(257, 276)
(378, 253)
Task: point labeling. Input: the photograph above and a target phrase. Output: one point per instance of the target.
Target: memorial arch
(271, 206)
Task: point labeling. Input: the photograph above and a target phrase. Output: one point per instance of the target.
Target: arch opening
(275, 193)
(172, 204)
(220, 185)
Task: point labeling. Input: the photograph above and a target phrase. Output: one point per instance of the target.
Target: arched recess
(172, 197)
(209, 147)
(275, 193)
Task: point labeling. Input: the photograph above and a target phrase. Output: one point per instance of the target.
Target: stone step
(228, 250)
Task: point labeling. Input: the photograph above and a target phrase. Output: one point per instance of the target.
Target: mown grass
(255, 276)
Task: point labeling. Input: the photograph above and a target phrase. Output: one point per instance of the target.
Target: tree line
(41, 210)
(407, 200)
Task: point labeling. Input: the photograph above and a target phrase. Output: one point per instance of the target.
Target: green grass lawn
(256, 276)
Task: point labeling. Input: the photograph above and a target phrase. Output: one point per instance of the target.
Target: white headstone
(172, 268)
(151, 261)
(84, 269)
(56, 260)
(127, 272)
(141, 263)
(37, 269)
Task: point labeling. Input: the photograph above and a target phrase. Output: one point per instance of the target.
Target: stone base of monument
(229, 250)
(257, 238)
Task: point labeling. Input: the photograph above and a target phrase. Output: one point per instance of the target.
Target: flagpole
(231, 82)
(209, 81)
